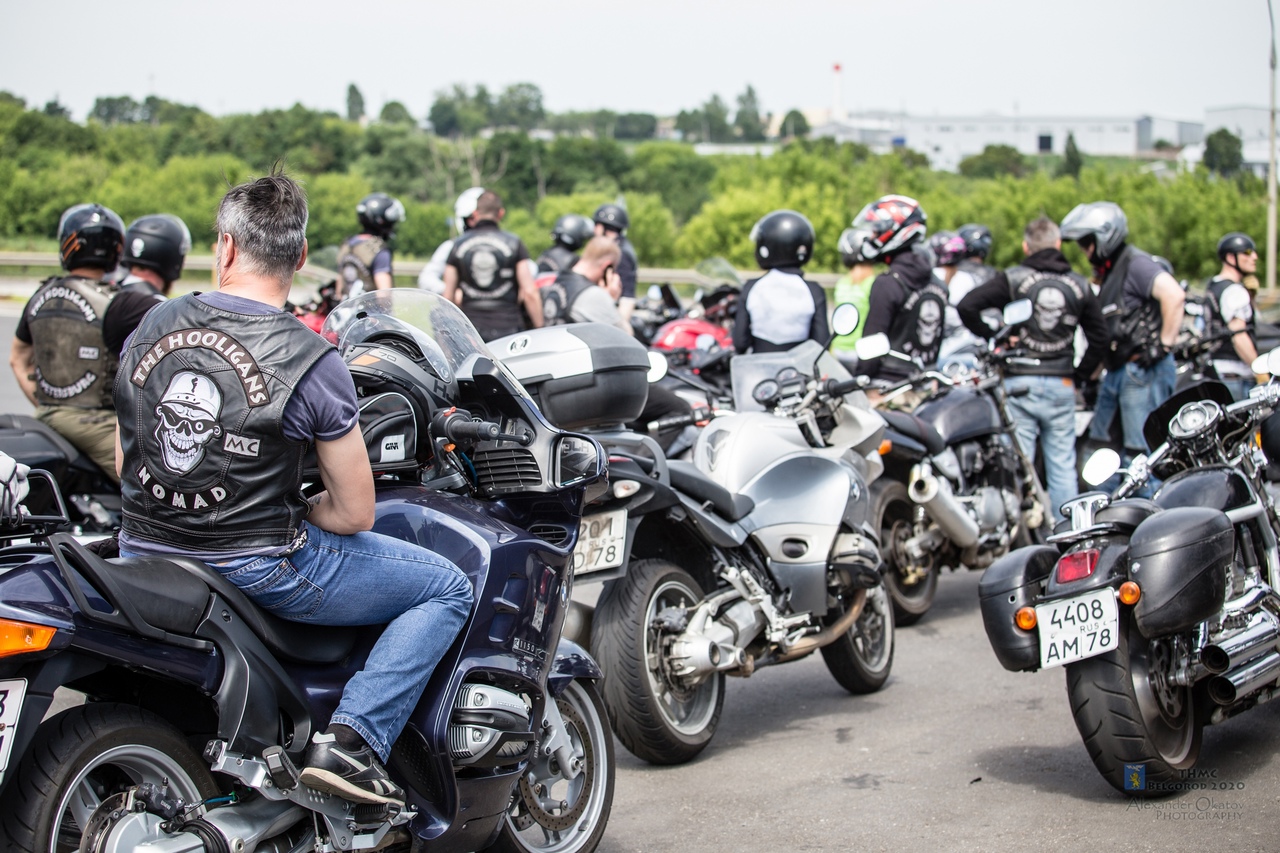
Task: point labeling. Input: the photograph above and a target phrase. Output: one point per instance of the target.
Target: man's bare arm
(529, 294)
(1169, 294)
(346, 505)
(451, 290)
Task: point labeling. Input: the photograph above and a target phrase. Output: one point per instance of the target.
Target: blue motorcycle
(196, 705)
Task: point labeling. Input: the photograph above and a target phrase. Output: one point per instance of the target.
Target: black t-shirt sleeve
(992, 295)
(742, 320)
(123, 316)
(818, 329)
(627, 273)
(522, 251)
(23, 331)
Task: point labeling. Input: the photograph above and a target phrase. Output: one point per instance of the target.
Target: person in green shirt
(855, 287)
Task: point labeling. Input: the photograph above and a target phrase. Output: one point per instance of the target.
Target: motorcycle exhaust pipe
(829, 634)
(935, 495)
(1229, 688)
(1231, 652)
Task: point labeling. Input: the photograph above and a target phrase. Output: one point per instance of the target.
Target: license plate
(11, 696)
(1076, 628)
(601, 540)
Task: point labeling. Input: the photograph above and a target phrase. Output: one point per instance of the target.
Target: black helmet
(1103, 222)
(850, 245)
(90, 235)
(1235, 243)
(783, 238)
(895, 221)
(977, 240)
(612, 216)
(159, 242)
(379, 214)
(572, 231)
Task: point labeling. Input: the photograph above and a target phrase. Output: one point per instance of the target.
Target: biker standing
(1230, 309)
(364, 260)
(780, 308)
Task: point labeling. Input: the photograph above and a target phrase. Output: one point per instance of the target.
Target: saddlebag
(1179, 559)
(1012, 582)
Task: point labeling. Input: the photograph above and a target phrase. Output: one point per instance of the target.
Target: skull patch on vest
(928, 323)
(1048, 308)
(188, 414)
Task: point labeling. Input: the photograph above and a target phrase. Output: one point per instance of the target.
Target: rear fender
(571, 662)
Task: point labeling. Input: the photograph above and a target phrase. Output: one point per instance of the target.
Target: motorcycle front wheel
(861, 659)
(551, 812)
(911, 590)
(658, 716)
(1129, 712)
(83, 756)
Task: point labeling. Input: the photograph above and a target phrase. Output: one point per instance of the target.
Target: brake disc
(119, 825)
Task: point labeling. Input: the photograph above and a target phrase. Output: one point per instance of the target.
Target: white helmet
(465, 206)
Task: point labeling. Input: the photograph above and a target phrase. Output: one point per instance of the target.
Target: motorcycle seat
(688, 479)
(1128, 513)
(172, 593)
(913, 427)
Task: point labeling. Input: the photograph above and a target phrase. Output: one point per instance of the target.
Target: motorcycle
(198, 704)
(1165, 611)
(756, 553)
(92, 498)
(958, 490)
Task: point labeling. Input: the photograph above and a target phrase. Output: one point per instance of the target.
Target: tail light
(1077, 565)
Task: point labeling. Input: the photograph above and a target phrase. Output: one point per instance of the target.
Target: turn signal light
(885, 447)
(1077, 565)
(1130, 592)
(18, 638)
(1025, 618)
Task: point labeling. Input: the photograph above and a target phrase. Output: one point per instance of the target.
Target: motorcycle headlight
(577, 460)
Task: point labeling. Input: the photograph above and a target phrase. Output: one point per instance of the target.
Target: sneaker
(357, 777)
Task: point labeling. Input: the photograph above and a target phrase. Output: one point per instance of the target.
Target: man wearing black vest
(586, 292)
(1142, 307)
(488, 277)
(1230, 310)
(221, 396)
(1042, 387)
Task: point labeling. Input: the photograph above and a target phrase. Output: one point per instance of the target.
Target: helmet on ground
(948, 248)
(783, 238)
(90, 235)
(572, 231)
(612, 216)
(850, 245)
(159, 241)
(895, 222)
(379, 214)
(1102, 222)
(977, 240)
(465, 206)
(1235, 243)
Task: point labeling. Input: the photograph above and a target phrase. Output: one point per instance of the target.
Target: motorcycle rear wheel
(554, 814)
(83, 756)
(1128, 713)
(861, 659)
(657, 717)
(891, 515)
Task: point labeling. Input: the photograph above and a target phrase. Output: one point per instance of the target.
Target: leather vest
(72, 364)
(556, 259)
(1131, 329)
(1050, 335)
(558, 297)
(355, 264)
(486, 259)
(917, 329)
(201, 395)
(1215, 325)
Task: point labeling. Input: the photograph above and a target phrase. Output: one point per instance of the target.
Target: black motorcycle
(92, 498)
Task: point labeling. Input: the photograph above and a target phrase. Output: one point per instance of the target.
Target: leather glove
(13, 487)
(1152, 354)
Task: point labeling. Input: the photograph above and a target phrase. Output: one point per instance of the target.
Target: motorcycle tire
(861, 659)
(84, 755)
(1128, 714)
(657, 717)
(891, 515)
(537, 822)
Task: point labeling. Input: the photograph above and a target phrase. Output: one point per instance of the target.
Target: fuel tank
(961, 414)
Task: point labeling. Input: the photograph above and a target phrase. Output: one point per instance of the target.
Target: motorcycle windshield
(445, 335)
(808, 359)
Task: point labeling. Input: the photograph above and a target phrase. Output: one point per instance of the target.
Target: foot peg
(282, 771)
(373, 813)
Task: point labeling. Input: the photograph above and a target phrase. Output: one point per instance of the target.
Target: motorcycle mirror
(1273, 362)
(657, 366)
(875, 346)
(1101, 465)
(1017, 312)
(845, 318)
(1260, 364)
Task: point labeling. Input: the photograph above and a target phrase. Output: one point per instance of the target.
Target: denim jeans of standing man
(1046, 413)
(367, 579)
(1134, 392)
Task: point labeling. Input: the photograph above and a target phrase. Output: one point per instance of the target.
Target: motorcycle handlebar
(671, 422)
(457, 425)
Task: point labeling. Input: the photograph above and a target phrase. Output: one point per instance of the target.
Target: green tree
(794, 124)
(519, 106)
(1071, 159)
(635, 126)
(54, 109)
(674, 172)
(715, 120)
(747, 120)
(1223, 152)
(394, 112)
(355, 104)
(461, 113)
(690, 125)
(995, 160)
(121, 109)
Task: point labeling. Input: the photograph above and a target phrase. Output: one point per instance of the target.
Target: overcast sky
(1171, 58)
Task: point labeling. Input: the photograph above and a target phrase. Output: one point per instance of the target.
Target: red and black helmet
(896, 222)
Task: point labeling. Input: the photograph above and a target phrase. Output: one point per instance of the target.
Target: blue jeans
(1047, 412)
(367, 579)
(1135, 392)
